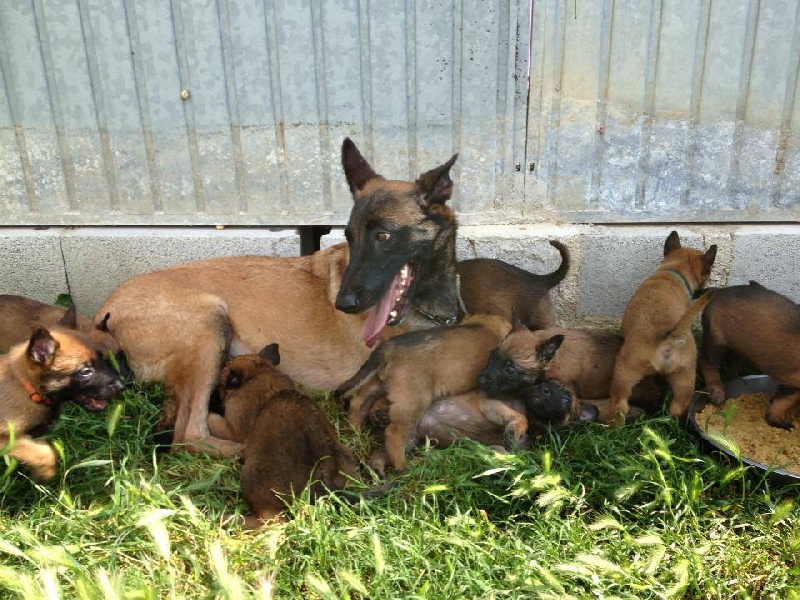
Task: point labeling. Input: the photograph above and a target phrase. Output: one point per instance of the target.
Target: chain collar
(446, 321)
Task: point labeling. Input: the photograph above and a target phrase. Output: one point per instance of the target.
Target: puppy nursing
(289, 444)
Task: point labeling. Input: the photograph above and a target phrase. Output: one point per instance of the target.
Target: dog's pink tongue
(378, 315)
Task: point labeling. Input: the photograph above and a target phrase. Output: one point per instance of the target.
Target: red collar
(34, 395)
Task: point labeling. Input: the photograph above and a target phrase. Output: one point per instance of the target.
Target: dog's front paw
(783, 423)
(716, 394)
(511, 442)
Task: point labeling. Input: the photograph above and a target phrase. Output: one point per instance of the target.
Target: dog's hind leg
(682, 384)
(783, 401)
(513, 422)
(39, 456)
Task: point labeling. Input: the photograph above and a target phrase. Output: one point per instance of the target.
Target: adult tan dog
(657, 327)
(179, 324)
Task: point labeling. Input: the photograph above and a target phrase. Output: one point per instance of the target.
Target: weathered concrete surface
(607, 262)
(31, 263)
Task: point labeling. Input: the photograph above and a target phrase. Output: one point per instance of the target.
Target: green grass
(634, 512)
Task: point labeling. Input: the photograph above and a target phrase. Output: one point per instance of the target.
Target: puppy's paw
(716, 394)
(618, 419)
(511, 442)
(783, 423)
(379, 418)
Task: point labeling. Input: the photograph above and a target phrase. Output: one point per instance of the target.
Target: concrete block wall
(607, 262)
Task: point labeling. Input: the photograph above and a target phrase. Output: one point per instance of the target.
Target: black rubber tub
(751, 384)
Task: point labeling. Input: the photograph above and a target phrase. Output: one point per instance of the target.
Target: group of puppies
(419, 345)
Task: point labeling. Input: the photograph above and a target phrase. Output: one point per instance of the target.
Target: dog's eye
(382, 236)
(510, 369)
(85, 373)
(546, 391)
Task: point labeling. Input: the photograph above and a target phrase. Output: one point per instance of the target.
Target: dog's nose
(483, 379)
(566, 401)
(347, 303)
(118, 386)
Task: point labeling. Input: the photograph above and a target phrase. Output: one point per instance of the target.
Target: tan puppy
(761, 326)
(416, 368)
(289, 444)
(20, 315)
(36, 378)
(582, 360)
(657, 327)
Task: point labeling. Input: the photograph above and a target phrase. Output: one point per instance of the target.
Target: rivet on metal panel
(517, 167)
(184, 94)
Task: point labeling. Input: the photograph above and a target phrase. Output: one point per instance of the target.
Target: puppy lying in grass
(581, 360)
(415, 369)
(289, 443)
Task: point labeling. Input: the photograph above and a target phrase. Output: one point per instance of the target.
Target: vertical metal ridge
(54, 99)
(785, 133)
(276, 93)
(753, 9)
(504, 168)
(604, 73)
(365, 64)
(559, 40)
(101, 118)
(411, 87)
(651, 76)
(188, 107)
(19, 132)
(318, 41)
(132, 27)
(698, 72)
(457, 57)
(232, 99)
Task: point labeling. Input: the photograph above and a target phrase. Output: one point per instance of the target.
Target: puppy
(36, 378)
(20, 315)
(498, 288)
(657, 327)
(762, 327)
(581, 360)
(289, 444)
(416, 368)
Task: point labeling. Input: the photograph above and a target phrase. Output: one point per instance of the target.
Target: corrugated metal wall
(663, 110)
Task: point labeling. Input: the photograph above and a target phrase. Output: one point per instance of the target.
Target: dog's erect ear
(42, 347)
(356, 168)
(516, 322)
(547, 349)
(103, 325)
(708, 259)
(270, 354)
(69, 319)
(234, 380)
(435, 186)
(673, 243)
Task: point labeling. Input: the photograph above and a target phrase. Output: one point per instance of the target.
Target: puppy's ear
(356, 169)
(708, 259)
(673, 243)
(103, 325)
(234, 380)
(547, 350)
(516, 322)
(42, 347)
(435, 186)
(270, 354)
(69, 319)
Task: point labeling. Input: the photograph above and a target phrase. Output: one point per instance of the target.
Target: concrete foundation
(607, 262)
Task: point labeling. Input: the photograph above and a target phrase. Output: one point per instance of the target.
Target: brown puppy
(20, 315)
(582, 360)
(289, 444)
(498, 288)
(657, 327)
(761, 326)
(36, 378)
(416, 368)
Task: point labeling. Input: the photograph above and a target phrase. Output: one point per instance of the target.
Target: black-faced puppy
(416, 368)
(289, 444)
(657, 327)
(495, 287)
(581, 360)
(36, 378)
(761, 326)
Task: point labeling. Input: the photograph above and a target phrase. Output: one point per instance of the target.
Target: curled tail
(554, 278)
(684, 325)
